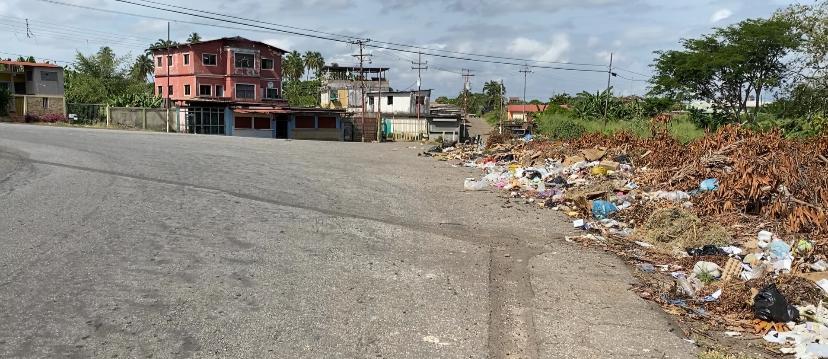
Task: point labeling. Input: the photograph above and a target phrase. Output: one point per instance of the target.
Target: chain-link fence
(86, 113)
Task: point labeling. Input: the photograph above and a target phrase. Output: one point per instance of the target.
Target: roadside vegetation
(723, 70)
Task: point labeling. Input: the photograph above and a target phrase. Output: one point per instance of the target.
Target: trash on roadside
(708, 185)
(707, 270)
(714, 296)
(603, 209)
(470, 184)
(770, 305)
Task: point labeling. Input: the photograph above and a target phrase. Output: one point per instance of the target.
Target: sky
(543, 33)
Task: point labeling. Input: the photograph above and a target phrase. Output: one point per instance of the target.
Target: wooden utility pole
(361, 56)
(419, 65)
(609, 84)
(467, 75)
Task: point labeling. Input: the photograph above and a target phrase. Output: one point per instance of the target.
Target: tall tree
(729, 66)
(162, 43)
(314, 62)
(142, 68)
(294, 66)
(494, 92)
(194, 37)
(103, 77)
(807, 89)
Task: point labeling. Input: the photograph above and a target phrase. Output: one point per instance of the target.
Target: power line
(21, 55)
(355, 38)
(302, 34)
(632, 72)
(75, 36)
(341, 40)
(253, 20)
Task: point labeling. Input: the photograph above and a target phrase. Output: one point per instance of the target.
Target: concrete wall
(324, 134)
(146, 119)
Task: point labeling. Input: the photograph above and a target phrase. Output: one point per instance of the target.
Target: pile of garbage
(729, 229)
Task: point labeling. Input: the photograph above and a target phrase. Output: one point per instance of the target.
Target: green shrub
(5, 100)
(560, 127)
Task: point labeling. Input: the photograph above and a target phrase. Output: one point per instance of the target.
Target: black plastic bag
(770, 305)
(708, 250)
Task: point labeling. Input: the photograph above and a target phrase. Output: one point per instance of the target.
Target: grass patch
(563, 126)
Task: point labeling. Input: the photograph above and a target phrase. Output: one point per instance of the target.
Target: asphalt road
(127, 244)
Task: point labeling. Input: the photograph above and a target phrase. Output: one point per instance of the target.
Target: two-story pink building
(233, 86)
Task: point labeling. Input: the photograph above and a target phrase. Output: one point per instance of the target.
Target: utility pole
(609, 84)
(467, 75)
(501, 114)
(361, 43)
(526, 70)
(419, 65)
(379, 105)
(169, 57)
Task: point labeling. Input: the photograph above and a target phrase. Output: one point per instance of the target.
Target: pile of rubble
(729, 229)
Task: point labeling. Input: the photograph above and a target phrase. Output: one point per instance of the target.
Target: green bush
(5, 100)
(560, 127)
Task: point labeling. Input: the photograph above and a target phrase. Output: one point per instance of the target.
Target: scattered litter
(708, 185)
(770, 305)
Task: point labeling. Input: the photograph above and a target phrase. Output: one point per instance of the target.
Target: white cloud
(593, 41)
(604, 56)
(555, 50)
(721, 14)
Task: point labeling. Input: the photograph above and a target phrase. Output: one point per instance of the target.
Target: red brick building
(233, 86)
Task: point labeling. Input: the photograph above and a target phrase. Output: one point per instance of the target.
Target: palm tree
(142, 68)
(314, 62)
(494, 94)
(161, 43)
(194, 37)
(294, 66)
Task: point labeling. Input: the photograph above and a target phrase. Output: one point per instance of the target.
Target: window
(48, 76)
(158, 61)
(267, 64)
(271, 93)
(160, 91)
(327, 122)
(209, 59)
(29, 76)
(245, 61)
(205, 120)
(205, 90)
(45, 103)
(169, 60)
(186, 59)
(390, 100)
(261, 123)
(243, 122)
(305, 122)
(186, 90)
(245, 91)
(219, 91)
(170, 90)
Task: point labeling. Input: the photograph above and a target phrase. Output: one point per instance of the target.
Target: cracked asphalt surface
(127, 244)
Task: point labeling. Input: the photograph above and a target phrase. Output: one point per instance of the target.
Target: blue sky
(574, 31)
